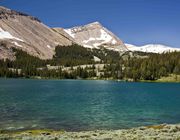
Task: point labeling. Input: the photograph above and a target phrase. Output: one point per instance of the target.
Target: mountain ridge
(6, 12)
(22, 31)
(152, 48)
(30, 34)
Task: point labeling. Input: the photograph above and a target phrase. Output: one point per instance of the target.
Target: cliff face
(29, 34)
(94, 35)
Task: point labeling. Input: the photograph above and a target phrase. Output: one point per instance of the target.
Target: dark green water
(86, 105)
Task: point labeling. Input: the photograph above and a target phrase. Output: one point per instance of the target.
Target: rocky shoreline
(157, 132)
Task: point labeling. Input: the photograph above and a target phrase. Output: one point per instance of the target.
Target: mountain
(22, 31)
(152, 48)
(28, 33)
(94, 35)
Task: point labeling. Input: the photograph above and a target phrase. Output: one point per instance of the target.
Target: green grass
(156, 126)
(33, 132)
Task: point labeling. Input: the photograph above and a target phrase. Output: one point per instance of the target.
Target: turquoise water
(86, 105)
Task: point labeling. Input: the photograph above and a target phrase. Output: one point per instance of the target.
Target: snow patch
(69, 31)
(49, 46)
(113, 49)
(15, 43)
(88, 46)
(97, 44)
(96, 59)
(105, 36)
(90, 39)
(114, 42)
(7, 35)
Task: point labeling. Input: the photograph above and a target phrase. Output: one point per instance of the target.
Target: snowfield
(7, 35)
(152, 48)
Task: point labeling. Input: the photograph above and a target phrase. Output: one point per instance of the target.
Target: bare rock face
(28, 33)
(25, 32)
(94, 35)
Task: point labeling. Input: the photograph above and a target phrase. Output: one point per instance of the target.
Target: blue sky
(136, 22)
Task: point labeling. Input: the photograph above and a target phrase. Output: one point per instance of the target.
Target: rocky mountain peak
(94, 35)
(95, 24)
(89, 26)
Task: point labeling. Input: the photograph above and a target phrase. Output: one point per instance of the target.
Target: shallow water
(75, 105)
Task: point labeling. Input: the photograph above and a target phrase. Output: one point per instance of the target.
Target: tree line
(152, 67)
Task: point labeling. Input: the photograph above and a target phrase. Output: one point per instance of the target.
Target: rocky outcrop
(29, 34)
(94, 35)
(6, 51)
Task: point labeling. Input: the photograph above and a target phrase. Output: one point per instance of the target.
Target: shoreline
(92, 79)
(163, 131)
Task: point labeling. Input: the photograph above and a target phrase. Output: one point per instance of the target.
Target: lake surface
(75, 105)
